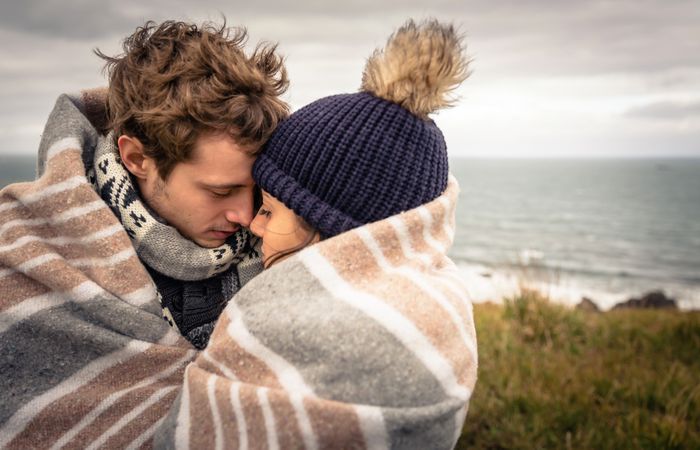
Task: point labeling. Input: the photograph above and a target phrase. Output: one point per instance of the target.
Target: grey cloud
(65, 19)
(365, 9)
(522, 38)
(566, 38)
(666, 110)
(516, 38)
(544, 37)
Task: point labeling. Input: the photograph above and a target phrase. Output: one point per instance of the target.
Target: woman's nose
(256, 226)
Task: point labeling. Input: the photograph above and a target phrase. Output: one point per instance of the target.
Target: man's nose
(240, 212)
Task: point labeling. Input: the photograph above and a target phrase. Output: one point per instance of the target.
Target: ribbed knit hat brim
(323, 217)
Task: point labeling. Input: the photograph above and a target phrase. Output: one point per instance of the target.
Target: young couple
(358, 333)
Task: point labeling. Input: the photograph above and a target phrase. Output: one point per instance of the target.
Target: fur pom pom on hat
(419, 67)
(350, 159)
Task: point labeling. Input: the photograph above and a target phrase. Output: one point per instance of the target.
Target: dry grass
(552, 377)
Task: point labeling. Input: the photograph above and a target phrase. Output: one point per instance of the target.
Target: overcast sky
(550, 78)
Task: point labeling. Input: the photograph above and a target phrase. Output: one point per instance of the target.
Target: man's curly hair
(176, 81)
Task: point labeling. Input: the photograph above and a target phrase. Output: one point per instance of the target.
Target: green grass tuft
(553, 377)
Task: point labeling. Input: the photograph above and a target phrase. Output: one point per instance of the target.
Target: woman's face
(281, 230)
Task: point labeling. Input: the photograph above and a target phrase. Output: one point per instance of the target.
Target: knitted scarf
(159, 245)
(364, 340)
(194, 283)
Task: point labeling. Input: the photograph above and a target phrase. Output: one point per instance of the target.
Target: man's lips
(222, 234)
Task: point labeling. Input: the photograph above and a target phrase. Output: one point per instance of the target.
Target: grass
(553, 377)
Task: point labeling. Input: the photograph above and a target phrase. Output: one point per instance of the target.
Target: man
(188, 110)
(139, 211)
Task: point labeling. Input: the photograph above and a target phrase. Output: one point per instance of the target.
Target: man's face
(210, 196)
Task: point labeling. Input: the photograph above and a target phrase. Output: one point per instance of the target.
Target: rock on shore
(654, 299)
(587, 304)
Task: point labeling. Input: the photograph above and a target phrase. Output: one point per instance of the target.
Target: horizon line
(514, 157)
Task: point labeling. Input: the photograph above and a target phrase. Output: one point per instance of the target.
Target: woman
(360, 333)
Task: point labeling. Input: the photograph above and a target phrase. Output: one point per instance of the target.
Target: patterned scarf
(159, 245)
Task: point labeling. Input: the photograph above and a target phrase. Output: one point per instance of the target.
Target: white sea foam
(488, 284)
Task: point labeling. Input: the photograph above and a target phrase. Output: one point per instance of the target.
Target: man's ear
(131, 152)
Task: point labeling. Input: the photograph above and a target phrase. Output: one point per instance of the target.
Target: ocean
(600, 228)
(606, 229)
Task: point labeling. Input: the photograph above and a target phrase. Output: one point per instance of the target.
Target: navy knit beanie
(351, 159)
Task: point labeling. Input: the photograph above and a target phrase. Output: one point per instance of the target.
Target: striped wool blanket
(365, 340)
(86, 359)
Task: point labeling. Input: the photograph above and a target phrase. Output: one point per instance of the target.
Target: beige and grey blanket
(365, 340)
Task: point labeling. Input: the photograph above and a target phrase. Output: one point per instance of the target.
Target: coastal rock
(654, 299)
(586, 304)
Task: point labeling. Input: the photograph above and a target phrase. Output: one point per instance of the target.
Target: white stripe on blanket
(427, 219)
(78, 262)
(58, 218)
(403, 235)
(68, 143)
(104, 262)
(307, 431)
(269, 418)
(141, 296)
(453, 274)
(126, 418)
(18, 422)
(31, 264)
(171, 338)
(182, 434)
(111, 399)
(372, 426)
(53, 189)
(146, 435)
(21, 311)
(393, 321)
(63, 240)
(215, 413)
(287, 375)
(415, 277)
(225, 370)
(240, 416)
(412, 255)
(449, 229)
(459, 423)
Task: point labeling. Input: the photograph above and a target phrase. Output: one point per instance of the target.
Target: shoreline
(492, 285)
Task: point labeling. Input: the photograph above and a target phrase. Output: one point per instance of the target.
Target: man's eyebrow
(221, 186)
